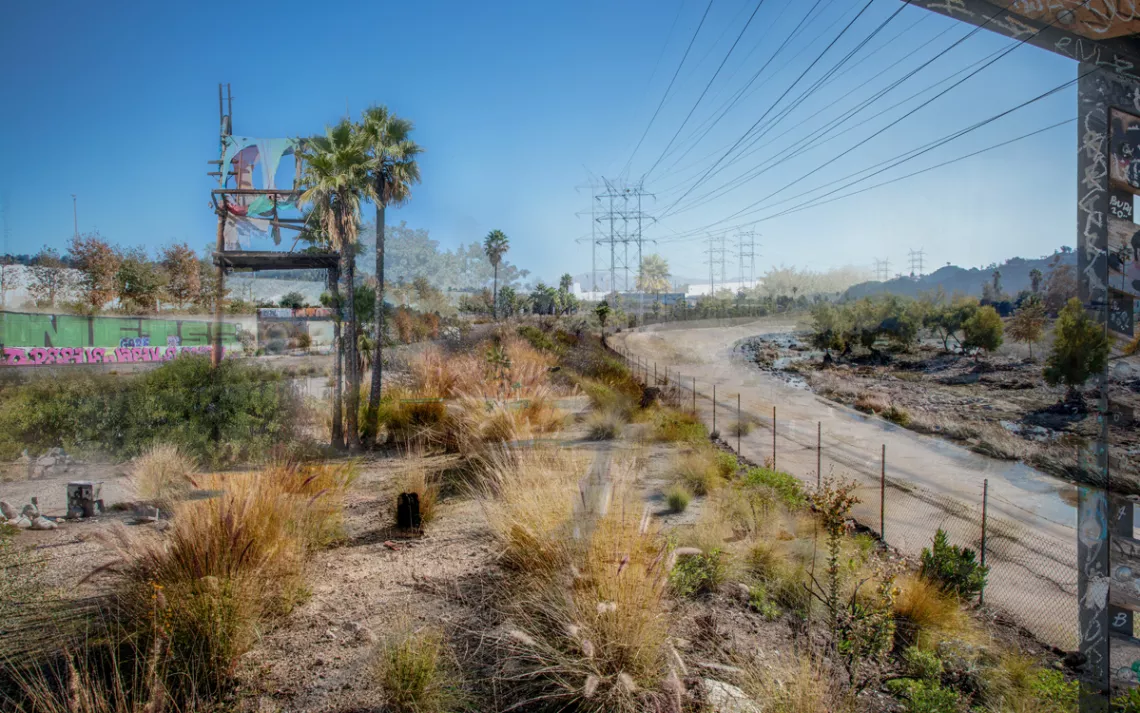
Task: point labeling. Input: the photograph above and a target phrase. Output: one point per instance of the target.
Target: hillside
(966, 281)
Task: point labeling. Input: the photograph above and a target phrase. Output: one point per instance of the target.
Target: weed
(759, 601)
(415, 673)
(740, 428)
(678, 498)
(922, 664)
(417, 480)
(162, 475)
(929, 697)
(698, 573)
(726, 464)
(672, 426)
(955, 570)
(798, 683)
(923, 613)
(788, 487)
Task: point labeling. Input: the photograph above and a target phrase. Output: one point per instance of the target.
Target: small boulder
(722, 697)
(20, 523)
(8, 511)
(42, 523)
(30, 511)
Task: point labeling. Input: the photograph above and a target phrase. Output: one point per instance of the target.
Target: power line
(746, 255)
(708, 84)
(670, 87)
(882, 269)
(915, 257)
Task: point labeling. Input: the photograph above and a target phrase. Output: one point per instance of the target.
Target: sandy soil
(930, 483)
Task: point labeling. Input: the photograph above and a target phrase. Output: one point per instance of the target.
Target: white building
(702, 289)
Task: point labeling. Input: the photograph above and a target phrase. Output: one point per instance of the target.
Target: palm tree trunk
(353, 402)
(338, 409)
(495, 295)
(370, 425)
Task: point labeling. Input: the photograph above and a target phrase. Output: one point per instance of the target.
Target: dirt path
(1031, 544)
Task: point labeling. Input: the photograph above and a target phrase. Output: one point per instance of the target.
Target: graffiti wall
(30, 339)
(282, 329)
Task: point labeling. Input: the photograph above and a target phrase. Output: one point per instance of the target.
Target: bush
(922, 664)
(699, 472)
(671, 426)
(162, 475)
(236, 411)
(740, 428)
(678, 498)
(923, 613)
(537, 338)
(953, 569)
(415, 674)
(727, 464)
(931, 697)
(604, 425)
(696, 574)
(983, 330)
(788, 487)
(1080, 348)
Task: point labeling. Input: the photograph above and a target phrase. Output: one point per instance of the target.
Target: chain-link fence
(1032, 559)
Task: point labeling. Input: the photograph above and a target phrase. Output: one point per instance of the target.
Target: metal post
(694, 395)
(818, 454)
(883, 497)
(714, 408)
(985, 507)
(739, 426)
(773, 438)
(655, 373)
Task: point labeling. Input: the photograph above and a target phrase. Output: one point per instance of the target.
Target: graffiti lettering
(45, 356)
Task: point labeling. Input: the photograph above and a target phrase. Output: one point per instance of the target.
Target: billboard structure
(1103, 36)
(259, 184)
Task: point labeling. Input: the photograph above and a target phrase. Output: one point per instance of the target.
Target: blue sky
(518, 105)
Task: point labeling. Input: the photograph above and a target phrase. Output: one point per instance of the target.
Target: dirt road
(1031, 540)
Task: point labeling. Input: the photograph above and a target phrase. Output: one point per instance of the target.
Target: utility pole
(610, 213)
(882, 269)
(746, 254)
(716, 254)
(75, 215)
(916, 262)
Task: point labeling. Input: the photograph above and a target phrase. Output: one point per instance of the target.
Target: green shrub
(1080, 348)
(698, 574)
(952, 569)
(678, 498)
(727, 464)
(898, 415)
(236, 411)
(788, 487)
(671, 426)
(922, 664)
(1126, 702)
(983, 330)
(415, 674)
(538, 338)
(760, 603)
(1051, 687)
(930, 697)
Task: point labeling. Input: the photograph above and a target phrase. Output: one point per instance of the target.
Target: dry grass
(798, 683)
(699, 471)
(675, 426)
(416, 673)
(924, 615)
(678, 498)
(604, 425)
(162, 475)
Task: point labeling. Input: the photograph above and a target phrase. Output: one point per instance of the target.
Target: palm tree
(654, 275)
(496, 244)
(393, 173)
(335, 179)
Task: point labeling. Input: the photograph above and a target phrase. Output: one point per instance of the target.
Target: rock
(30, 511)
(722, 697)
(21, 523)
(8, 511)
(46, 462)
(24, 458)
(42, 523)
(361, 633)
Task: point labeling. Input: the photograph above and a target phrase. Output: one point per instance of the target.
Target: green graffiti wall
(20, 329)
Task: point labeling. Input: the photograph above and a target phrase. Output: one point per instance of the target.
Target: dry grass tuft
(416, 674)
(800, 683)
(417, 480)
(163, 475)
(604, 425)
(678, 498)
(924, 615)
(699, 471)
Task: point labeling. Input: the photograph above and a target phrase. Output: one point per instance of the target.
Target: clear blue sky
(517, 104)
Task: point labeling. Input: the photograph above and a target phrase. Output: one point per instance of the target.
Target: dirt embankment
(998, 405)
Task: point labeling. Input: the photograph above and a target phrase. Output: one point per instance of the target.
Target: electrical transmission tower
(618, 223)
(882, 269)
(916, 262)
(746, 254)
(716, 252)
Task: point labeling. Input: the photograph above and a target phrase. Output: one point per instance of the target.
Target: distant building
(702, 289)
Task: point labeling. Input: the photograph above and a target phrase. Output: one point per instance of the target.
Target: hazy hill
(966, 281)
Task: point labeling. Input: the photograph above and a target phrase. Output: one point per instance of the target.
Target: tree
(393, 172)
(138, 282)
(1028, 323)
(946, 320)
(49, 278)
(602, 311)
(1080, 349)
(654, 275)
(207, 286)
(336, 178)
(98, 264)
(508, 299)
(566, 282)
(495, 245)
(983, 331)
(1060, 288)
(292, 300)
(828, 328)
(183, 276)
(1035, 278)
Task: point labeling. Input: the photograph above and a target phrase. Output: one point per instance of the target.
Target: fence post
(694, 395)
(773, 438)
(739, 427)
(883, 497)
(714, 408)
(655, 373)
(818, 454)
(985, 508)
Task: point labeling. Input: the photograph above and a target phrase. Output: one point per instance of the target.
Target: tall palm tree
(496, 244)
(394, 171)
(654, 275)
(335, 179)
